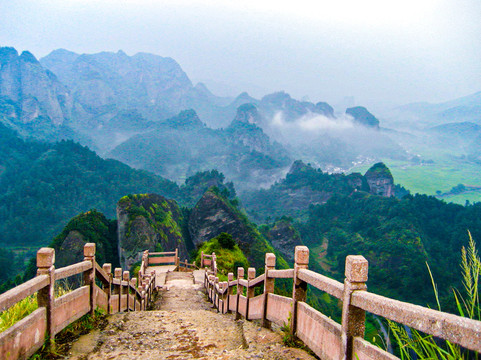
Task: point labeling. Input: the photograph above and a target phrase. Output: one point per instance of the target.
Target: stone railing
(325, 337)
(164, 258)
(117, 292)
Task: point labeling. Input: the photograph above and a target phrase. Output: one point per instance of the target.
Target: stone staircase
(183, 325)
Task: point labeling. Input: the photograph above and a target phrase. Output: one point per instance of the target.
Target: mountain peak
(299, 166)
(27, 56)
(247, 114)
(380, 180)
(7, 54)
(185, 119)
(362, 116)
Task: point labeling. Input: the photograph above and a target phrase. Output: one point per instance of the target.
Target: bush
(226, 241)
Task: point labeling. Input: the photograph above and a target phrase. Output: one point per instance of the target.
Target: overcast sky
(379, 51)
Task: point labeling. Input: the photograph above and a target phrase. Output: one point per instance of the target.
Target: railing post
(270, 264)
(133, 283)
(46, 296)
(177, 258)
(201, 259)
(108, 269)
(89, 275)
(240, 275)
(213, 263)
(353, 318)
(230, 277)
(299, 287)
(251, 274)
(216, 293)
(118, 288)
(126, 277)
(225, 286)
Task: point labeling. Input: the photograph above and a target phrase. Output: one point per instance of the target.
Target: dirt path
(186, 327)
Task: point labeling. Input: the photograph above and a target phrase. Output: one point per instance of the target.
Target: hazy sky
(379, 51)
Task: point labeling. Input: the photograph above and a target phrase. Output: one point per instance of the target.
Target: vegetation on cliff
(229, 255)
(215, 213)
(397, 237)
(150, 222)
(43, 185)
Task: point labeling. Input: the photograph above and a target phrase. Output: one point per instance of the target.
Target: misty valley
(126, 152)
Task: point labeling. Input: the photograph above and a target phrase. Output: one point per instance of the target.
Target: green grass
(445, 173)
(17, 312)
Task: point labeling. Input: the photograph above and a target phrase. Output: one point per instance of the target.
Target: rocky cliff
(362, 116)
(284, 238)
(380, 180)
(39, 98)
(148, 222)
(91, 226)
(214, 214)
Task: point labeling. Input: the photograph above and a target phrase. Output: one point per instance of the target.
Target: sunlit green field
(448, 170)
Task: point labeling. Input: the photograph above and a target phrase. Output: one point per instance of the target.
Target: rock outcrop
(215, 214)
(362, 116)
(380, 180)
(148, 222)
(91, 226)
(284, 238)
(211, 216)
(244, 130)
(36, 92)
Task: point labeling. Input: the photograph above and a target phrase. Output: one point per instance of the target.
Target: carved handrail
(72, 270)
(54, 314)
(307, 323)
(20, 292)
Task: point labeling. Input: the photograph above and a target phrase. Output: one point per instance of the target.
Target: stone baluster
(240, 275)
(230, 278)
(46, 296)
(299, 287)
(126, 278)
(89, 275)
(118, 288)
(133, 284)
(108, 288)
(353, 318)
(269, 283)
(251, 274)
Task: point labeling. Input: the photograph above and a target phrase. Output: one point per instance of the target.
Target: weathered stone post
(177, 258)
(201, 259)
(89, 275)
(133, 283)
(126, 278)
(240, 275)
(270, 264)
(353, 318)
(142, 296)
(230, 278)
(46, 296)
(213, 263)
(251, 274)
(225, 299)
(108, 288)
(118, 288)
(216, 293)
(299, 287)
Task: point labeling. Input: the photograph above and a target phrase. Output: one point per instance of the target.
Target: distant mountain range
(145, 111)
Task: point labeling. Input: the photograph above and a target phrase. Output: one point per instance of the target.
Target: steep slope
(149, 222)
(32, 100)
(215, 214)
(89, 227)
